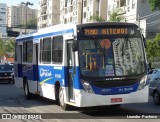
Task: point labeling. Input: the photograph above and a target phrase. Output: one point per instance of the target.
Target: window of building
(65, 3)
(71, 8)
(118, 4)
(133, 4)
(70, 19)
(84, 14)
(122, 3)
(65, 21)
(57, 49)
(85, 3)
(128, 2)
(46, 50)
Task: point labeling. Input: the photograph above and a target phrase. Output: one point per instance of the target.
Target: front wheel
(62, 103)
(116, 106)
(156, 98)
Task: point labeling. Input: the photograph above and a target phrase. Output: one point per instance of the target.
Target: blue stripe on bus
(116, 90)
(51, 74)
(45, 35)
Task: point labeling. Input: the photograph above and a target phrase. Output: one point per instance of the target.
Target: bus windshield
(111, 57)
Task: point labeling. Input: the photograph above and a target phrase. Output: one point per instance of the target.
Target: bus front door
(71, 68)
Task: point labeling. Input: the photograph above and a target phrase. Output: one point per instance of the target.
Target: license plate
(115, 100)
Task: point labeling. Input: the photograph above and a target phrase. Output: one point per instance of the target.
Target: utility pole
(82, 12)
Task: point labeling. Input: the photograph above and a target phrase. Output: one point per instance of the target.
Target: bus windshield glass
(111, 57)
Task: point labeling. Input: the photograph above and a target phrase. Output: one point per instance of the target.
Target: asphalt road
(12, 101)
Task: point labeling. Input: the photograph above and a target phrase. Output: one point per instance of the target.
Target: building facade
(20, 15)
(137, 11)
(48, 13)
(3, 19)
(80, 11)
(52, 12)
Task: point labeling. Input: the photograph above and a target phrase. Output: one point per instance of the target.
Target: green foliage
(154, 4)
(115, 16)
(6, 47)
(153, 48)
(97, 18)
(32, 24)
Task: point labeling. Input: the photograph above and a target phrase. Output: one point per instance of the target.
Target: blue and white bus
(83, 65)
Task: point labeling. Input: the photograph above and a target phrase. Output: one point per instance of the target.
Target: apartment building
(19, 15)
(80, 11)
(3, 26)
(137, 11)
(48, 13)
(53, 12)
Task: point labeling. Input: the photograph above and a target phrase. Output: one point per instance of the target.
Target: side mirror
(75, 45)
(144, 40)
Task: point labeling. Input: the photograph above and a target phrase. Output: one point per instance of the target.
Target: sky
(15, 2)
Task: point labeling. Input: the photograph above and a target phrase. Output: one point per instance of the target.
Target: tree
(32, 24)
(2, 49)
(10, 43)
(6, 48)
(97, 18)
(154, 4)
(115, 16)
(153, 49)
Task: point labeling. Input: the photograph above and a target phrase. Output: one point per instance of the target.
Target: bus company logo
(45, 72)
(121, 89)
(126, 89)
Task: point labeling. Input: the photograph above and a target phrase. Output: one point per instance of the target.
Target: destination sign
(108, 31)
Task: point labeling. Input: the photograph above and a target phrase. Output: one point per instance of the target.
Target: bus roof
(53, 30)
(67, 28)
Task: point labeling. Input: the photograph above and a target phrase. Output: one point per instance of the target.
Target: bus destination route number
(109, 31)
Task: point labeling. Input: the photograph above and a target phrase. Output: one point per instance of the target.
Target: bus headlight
(87, 87)
(142, 83)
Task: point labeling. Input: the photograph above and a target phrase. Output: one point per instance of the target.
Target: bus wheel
(63, 105)
(156, 98)
(115, 106)
(26, 91)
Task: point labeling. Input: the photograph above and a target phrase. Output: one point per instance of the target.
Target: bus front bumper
(84, 99)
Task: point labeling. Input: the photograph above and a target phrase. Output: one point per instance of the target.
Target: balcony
(43, 13)
(44, 21)
(43, 4)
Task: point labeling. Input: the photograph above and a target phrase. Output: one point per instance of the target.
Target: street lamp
(82, 12)
(26, 4)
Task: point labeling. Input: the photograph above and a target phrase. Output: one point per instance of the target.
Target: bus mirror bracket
(144, 40)
(75, 45)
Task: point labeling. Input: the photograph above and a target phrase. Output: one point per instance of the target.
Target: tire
(156, 98)
(63, 105)
(116, 106)
(26, 91)
(11, 82)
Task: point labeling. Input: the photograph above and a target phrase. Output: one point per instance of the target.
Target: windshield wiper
(98, 46)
